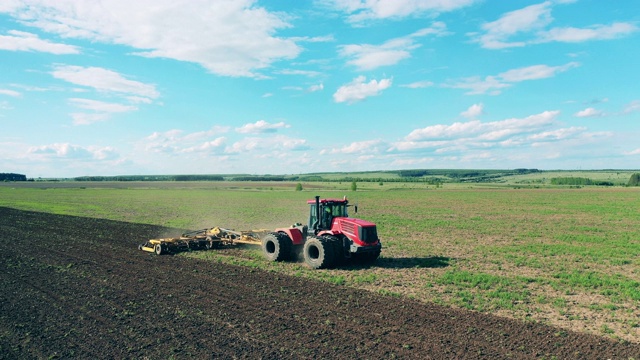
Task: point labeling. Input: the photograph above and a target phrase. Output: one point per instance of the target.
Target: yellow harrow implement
(203, 239)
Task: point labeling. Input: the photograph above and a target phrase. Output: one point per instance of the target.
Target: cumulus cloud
(589, 112)
(362, 147)
(314, 88)
(463, 133)
(359, 89)
(530, 25)
(74, 152)
(511, 140)
(260, 127)
(360, 11)
(473, 111)
(267, 147)
(175, 141)
(228, 37)
(25, 41)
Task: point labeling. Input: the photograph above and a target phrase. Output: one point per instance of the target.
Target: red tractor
(331, 237)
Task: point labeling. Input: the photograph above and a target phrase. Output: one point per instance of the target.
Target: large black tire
(339, 253)
(319, 253)
(277, 247)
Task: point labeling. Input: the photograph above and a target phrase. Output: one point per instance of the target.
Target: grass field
(567, 257)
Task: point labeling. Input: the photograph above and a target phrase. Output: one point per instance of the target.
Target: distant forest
(12, 177)
(428, 176)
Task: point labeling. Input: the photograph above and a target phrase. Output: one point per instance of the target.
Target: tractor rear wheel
(277, 247)
(319, 253)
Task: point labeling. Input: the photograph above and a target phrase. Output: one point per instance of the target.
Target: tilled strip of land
(78, 287)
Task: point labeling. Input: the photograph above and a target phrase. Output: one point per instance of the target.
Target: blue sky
(285, 87)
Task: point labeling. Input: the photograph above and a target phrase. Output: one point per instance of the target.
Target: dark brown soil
(75, 287)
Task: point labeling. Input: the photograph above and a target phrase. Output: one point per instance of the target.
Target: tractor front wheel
(277, 247)
(319, 253)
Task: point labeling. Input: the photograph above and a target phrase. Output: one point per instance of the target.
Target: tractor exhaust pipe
(317, 224)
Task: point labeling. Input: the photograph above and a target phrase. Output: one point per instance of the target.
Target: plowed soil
(73, 287)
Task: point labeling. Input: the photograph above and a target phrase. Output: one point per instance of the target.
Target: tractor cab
(322, 212)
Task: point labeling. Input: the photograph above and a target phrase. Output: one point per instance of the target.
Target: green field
(563, 256)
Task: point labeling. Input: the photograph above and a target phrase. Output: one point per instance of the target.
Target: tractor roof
(326, 201)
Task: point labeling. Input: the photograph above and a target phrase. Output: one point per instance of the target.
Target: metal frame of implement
(203, 239)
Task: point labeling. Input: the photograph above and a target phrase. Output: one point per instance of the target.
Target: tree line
(579, 181)
(151, 178)
(12, 177)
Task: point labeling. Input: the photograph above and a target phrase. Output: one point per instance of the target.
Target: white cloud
(314, 88)
(473, 111)
(267, 147)
(174, 142)
(209, 146)
(558, 134)
(477, 85)
(594, 32)
(104, 80)
(515, 141)
(531, 23)
(497, 33)
(535, 72)
(227, 37)
(418, 84)
(633, 152)
(589, 112)
(369, 57)
(260, 127)
(102, 110)
(632, 107)
(487, 131)
(24, 41)
(359, 11)
(493, 85)
(308, 73)
(89, 118)
(359, 89)
(8, 92)
(101, 106)
(362, 147)
(73, 152)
